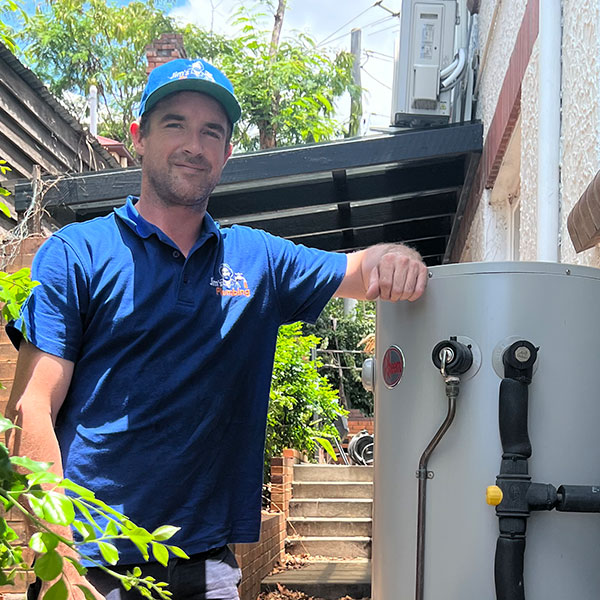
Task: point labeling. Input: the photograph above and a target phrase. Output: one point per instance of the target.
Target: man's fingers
(397, 277)
(373, 289)
(420, 284)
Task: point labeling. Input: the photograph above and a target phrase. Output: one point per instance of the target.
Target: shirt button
(176, 254)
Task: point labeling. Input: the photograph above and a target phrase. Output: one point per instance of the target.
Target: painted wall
(580, 131)
(490, 233)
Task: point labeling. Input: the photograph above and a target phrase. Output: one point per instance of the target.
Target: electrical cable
(389, 87)
(345, 34)
(348, 23)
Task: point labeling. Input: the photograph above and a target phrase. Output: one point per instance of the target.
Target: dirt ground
(285, 594)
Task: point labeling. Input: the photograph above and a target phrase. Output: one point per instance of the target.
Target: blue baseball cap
(196, 75)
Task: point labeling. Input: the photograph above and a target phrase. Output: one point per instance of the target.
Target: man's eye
(176, 125)
(214, 134)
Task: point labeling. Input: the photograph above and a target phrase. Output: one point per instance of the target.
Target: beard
(178, 188)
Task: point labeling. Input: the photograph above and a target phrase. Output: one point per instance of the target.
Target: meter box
(424, 49)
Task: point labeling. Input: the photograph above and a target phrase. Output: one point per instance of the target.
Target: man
(146, 372)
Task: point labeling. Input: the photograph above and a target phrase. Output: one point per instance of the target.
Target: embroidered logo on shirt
(230, 282)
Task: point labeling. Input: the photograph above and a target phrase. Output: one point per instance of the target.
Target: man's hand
(386, 272)
(400, 274)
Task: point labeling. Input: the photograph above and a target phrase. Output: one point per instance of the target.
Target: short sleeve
(305, 278)
(54, 313)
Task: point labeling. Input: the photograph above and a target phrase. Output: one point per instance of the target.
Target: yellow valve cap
(493, 495)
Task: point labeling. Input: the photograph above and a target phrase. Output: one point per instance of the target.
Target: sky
(329, 22)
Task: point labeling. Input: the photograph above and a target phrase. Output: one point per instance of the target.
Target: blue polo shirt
(165, 416)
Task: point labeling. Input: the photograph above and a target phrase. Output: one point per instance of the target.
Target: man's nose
(193, 143)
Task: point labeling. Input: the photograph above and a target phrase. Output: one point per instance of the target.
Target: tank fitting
(459, 357)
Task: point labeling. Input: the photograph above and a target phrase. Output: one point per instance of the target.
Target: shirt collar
(130, 215)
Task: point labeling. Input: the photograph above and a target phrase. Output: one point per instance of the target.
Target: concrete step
(334, 546)
(331, 507)
(329, 526)
(328, 489)
(328, 580)
(332, 473)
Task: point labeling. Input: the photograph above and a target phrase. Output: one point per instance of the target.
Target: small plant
(303, 406)
(50, 505)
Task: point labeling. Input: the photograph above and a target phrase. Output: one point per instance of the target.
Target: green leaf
(178, 552)
(136, 572)
(87, 532)
(78, 566)
(5, 424)
(83, 509)
(111, 529)
(327, 446)
(57, 592)
(48, 566)
(52, 507)
(81, 491)
(161, 554)
(165, 532)
(86, 592)
(4, 208)
(109, 553)
(43, 541)
(41, 477)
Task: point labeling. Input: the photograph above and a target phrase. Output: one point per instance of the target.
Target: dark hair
(145, 121)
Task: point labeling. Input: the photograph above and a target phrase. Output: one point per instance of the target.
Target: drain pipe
(548, 171)
(452, 358)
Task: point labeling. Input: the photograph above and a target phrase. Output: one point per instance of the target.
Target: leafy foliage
(302, 406)
(72, 44)
(344, 332)
(11, 15)
(51, 506)
(287, 97)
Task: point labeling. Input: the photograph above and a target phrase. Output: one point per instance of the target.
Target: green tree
(302, 405)
(12, 16)
(340, 336)
(72, 44)
(287, 88)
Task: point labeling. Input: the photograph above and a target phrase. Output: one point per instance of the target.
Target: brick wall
(23, 255)
(357, 422)
(257, 560)
(282, 475)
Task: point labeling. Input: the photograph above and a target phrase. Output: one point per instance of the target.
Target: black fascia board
(407, 145)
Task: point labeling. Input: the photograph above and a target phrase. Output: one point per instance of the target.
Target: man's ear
(136, 136)
(228, 152)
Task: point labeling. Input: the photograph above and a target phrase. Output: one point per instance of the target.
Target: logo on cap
(196, 70)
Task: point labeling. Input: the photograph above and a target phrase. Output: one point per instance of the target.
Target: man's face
(184, 149)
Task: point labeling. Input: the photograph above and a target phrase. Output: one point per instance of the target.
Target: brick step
(332, 489)
(331, 507)
(333, 546)
(329, 526)
(329, 473)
